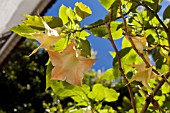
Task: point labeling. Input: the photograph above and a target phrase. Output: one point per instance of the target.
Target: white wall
(11, 10)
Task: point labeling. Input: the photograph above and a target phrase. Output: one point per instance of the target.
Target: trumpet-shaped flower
(144, 74)
(69, 66)
(47, 39)
(140, 43)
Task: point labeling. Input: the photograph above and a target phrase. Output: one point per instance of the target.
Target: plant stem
(120, 68)
(147, 102)
(120, 64)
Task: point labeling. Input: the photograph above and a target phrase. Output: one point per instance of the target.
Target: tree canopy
(138, 81)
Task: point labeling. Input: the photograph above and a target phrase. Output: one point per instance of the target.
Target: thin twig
(120, 68)
(104, 22)
(147, 102)
(160, 21)
(120, 64)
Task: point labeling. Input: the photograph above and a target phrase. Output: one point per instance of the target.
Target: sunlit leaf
(82, 11)
(106, 3)
(110, 95)
(35, 21)
(165, 55)
(166, 13)
(62, 14)
(82, 35)
(165, 88)
(97, 92)
(25, 31)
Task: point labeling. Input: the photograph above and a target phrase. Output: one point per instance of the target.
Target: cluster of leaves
(143, 56)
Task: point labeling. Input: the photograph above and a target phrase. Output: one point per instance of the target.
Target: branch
(120, 68)
(104, 22)
(160, 21)
(147, 102)
(120, 64)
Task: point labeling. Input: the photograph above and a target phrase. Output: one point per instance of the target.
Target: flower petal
(68, 66)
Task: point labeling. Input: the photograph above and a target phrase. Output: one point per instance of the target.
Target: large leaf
(63, 14)
(97, 92)
(35, 21)
(166, 13)
(33, 24)
(82, 11)
(111, 95)
(25, 31)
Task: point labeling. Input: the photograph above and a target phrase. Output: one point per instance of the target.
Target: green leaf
(151, 1)
(106, 3)
(165, 88)
(61, 44)
(84, 47)
(153, 7)
(35, 21)
(111, 95)
(48, 75)
(160, 99)
(82, 35)
(158, 58)
(123, 52)
(56, 86)
(85, 89)
(114, 11)
(97, 92)
(166, 13)
(113, 54)
(150, 39)
(25, 31)
(82, 11)
(125, 43)
(71, 14)
(62, 14)
(110, 74)
(164, 69)
(101, 31)
(33, 24)
(126, 103)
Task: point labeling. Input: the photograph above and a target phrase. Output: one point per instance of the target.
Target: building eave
(14, 39)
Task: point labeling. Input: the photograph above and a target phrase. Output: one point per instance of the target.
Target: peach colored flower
(69, 66)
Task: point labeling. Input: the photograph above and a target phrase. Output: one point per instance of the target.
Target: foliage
(22, 81)
(144, 56)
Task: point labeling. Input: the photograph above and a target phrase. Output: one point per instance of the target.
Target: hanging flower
(144, 74)
(47, 39)
(69, 66)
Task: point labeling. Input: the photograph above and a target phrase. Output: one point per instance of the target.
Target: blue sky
(102, 46)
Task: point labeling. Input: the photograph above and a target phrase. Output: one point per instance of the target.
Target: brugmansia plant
(144, 56)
